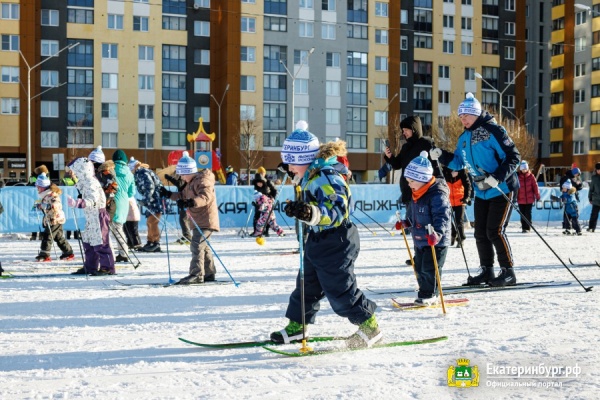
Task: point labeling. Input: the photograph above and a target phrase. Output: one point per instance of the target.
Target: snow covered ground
(66, 337)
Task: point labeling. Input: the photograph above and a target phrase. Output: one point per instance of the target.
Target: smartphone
(387, 143)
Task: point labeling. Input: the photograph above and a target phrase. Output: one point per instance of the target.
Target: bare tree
(75, 150)
(449, 129)
(248, 143)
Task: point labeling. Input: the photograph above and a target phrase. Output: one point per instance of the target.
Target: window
(49, 109)
(10, 42)
(146, 140)
(49, 17)
(80, 113)
(306, 4)
(49, 139)
(556, 147)
(10, 106)
(274, 87)
(332, 116)
(328, 5)
(404, 68)
(80, 82)
(466, 23)
(201, 28)
(332, 88)
(579, 69)
(357, 31)
(275, 24)
(49, 78)
(202, 57)
(403, 42)
(173, 58)
(509, 5)
(558, 73)
(580, 43)
(443, 97)
(423, 42)
(381, 36)
(557, 97)
(247, 112)
(203, 112)
(466, 48)
(381, 91)
(596, 90)
(448, 46)
(173, 116)
(174, 139)
(469, 74)
(509, 101)
(140, 24)
(444, 72)
(404, 16)
(248, 54)
(146, 53)
(172, 23)
(174, 86)
(579, 96)
(306, 29)
(10, 75)
(381, 9)
(80, 16)
(489, 47)
(448, 21)
(110, 110)
(328, 31)
(146, 82)
(578, 147)
(248, 83)
(333, 60)
(578, 121)
(509, 28)
(381, 63)
(580, 17)
(145, 111)
(509, 52)
(201, 85)
(49, 48)
(110, 50)
(509, 75)
(109, 140)
(115, 21)
(206, 4)
(248, 25)
(10, 11)
(403, 96)
(356, 64)
(110, 81)
(466, 2)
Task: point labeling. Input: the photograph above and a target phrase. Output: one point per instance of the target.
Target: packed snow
(72, 337)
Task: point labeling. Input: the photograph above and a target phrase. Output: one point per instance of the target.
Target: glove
(554, 198)
(403, 223)
(433, 238)
(186, 203)
(299, 210)
(164, 192)
(79, 203)
(435, 153)
(491, 181)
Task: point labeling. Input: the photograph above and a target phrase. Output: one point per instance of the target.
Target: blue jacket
(433, 208)
(486, 149)
(125, 190)
(232, 179)
(570, 201)
(148, 184)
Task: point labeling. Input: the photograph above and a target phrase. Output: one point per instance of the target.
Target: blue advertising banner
(376, 202)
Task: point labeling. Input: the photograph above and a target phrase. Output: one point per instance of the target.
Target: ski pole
(587, 289)
(400, 226)
(360, 222)
(243, 232)
(79, 240)
(120, 240)
(437, 270)
(373, 219)
(167, 240)
(304, 348)
(209, 245)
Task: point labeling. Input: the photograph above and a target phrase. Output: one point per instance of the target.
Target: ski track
(68, 337)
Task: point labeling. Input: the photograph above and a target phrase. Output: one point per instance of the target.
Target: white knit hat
(567, 185)
(301, 147)
(524, 166)
(42, 181)
(132, 164)
(97, 155)
(419, 169)
(470, 106)
(186, 165)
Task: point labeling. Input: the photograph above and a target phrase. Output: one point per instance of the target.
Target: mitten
(433, 238)
(434, 154)
(164, 192)
(186, 203)
(403, 223)
(491, 181)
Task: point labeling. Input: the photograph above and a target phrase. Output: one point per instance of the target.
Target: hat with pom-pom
(567, 185)
(419, 169)
(301, 147)
(470, 105)
(43, 181)
(133, 163)
(524, 166)
(97, 155)
(186, 165)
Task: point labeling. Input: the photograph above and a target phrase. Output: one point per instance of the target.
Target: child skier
(571, 209)
(264, 198)
(96, 244)
(430, 206)
(332, 245)
(53, 220)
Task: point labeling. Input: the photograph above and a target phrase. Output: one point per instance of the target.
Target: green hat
(119, 155)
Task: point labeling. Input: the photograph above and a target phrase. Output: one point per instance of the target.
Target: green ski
(346, 349)
(257, 343)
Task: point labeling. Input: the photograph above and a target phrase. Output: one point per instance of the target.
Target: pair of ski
(594, 264)
(268, 345)
(478, 288)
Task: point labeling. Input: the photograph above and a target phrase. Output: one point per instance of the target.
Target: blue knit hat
(42, 181)
(186, 165)
(419, 169)
(470, 106)
(301, 147)
(132, 164)
(576, 171)
(97, 155)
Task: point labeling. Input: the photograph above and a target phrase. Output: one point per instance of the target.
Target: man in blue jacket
(491, 158)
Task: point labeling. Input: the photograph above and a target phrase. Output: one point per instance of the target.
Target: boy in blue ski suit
(430, 206)
(332, 244)
(571, 218)
(491, 158)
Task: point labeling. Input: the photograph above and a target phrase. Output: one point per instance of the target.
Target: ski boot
(67, 257)
(367, 335)
(43, 258)
(484, 277)
(506, 278)
(293, 332)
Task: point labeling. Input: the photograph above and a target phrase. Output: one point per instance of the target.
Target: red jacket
(528, 191)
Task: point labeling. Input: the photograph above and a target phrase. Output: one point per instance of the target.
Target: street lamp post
(501, 93)
(219, 103)
(29, 98)
(294, 76)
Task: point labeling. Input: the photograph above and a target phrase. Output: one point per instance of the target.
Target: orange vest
(457, 192)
